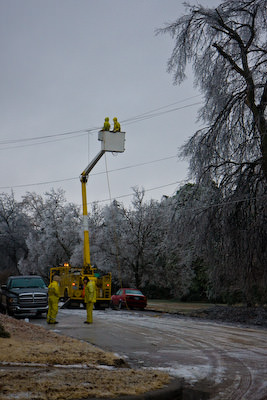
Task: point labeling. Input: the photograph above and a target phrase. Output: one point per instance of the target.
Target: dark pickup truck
(24, 295)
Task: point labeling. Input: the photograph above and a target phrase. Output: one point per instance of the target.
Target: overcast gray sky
(68, 64)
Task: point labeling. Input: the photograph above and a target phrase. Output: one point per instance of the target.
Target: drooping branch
(229, 59)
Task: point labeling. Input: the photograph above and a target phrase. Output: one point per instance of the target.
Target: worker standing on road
(117, 127)
(89, 299)
(53, 297)
(106, 126)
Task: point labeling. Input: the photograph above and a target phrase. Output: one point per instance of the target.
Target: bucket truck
(71, 278)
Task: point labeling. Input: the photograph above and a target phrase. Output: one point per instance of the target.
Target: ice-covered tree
(14, 228)
(126, 240)
(227, 48)
(186, 216)
(56, 230)
(107, 233)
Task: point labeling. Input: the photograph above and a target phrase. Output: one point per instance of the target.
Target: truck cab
(24, 295)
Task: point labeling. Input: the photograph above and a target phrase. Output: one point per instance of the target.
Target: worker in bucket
(53, 297)
(106, 126)
(89, 299)
(117, 127)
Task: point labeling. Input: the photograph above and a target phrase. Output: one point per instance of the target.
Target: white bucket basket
(112, 141)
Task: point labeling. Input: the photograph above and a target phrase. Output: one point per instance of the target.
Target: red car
(128, 298)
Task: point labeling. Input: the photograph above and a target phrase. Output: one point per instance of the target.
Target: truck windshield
(27, 283)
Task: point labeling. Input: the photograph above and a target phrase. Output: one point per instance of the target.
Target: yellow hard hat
(114, 119)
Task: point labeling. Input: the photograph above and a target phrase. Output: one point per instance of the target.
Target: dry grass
(170, 306)
(40, 364)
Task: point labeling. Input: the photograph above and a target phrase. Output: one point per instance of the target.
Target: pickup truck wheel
(2, 310)
(9, 312)
(39, 314)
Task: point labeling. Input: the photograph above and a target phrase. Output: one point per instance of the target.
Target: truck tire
(2, 309)
(66, 295)
(9, 312)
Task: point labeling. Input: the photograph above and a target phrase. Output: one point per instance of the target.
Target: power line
(148, 113)
(203, 208)
(149, 116)
(62, 136)
(38, 183)
(146, 190)
(181, 182)
(43, 142)
(93, 174)
(10, 141)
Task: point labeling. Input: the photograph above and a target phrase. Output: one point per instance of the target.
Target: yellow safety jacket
(90, 292)
(53, 289)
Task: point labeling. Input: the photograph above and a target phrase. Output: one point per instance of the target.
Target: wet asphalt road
(232, 360)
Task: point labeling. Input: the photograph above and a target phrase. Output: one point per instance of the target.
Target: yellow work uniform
(90, 299)
(117, 127)
(106, 126)
(53, 297)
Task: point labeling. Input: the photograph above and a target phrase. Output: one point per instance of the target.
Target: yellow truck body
(71, 285)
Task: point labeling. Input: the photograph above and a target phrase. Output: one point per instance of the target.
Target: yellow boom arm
(112, 142)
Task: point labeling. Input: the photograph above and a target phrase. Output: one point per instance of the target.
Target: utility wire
(61, 136)
(149, 116)
(162, 107)
(43, 142)
(202, 208)
(128, 195)
(10, 141)
(93, 174)
(114, 230)
(181, 182)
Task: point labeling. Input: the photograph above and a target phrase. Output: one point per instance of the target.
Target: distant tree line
(196, 245)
